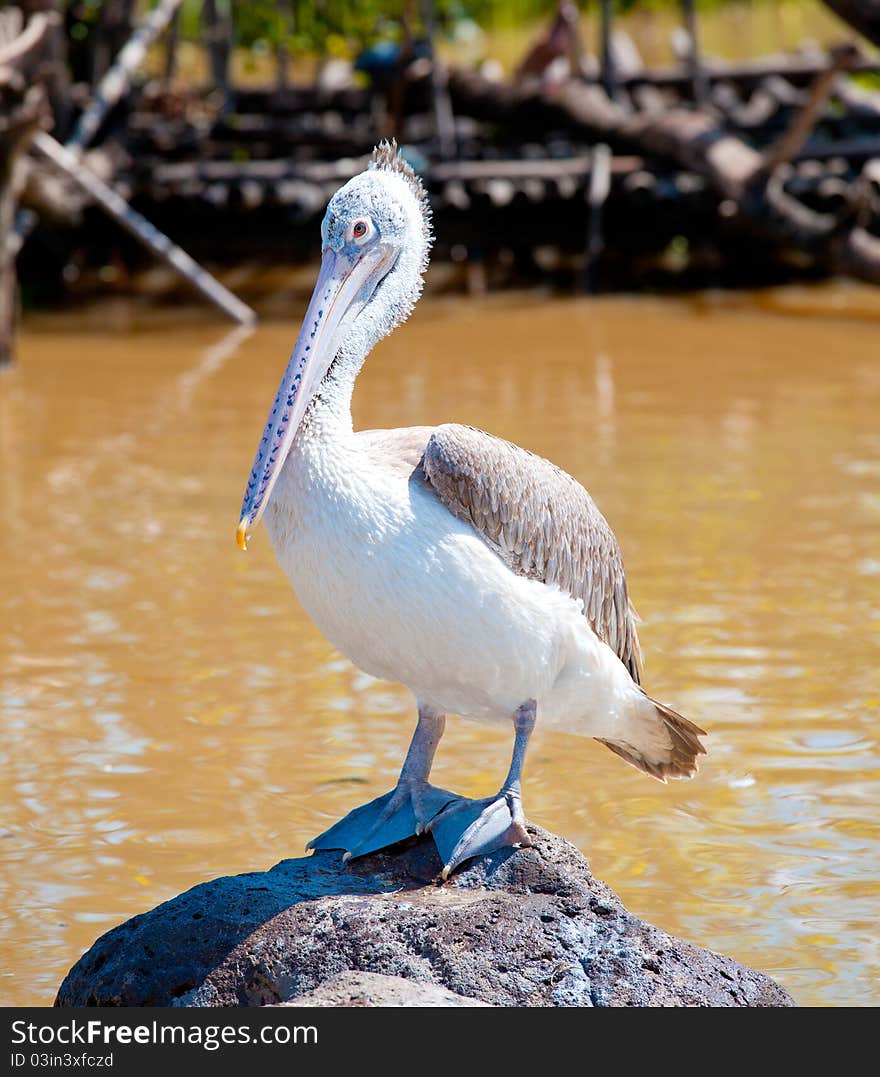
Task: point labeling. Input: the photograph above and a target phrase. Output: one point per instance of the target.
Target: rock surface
(374, 989)
(527, 927)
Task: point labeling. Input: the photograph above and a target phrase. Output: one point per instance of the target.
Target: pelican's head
(375, 240)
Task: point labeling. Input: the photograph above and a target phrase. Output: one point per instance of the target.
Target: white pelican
(482, 577)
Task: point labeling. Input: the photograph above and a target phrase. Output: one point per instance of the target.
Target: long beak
(340, 282)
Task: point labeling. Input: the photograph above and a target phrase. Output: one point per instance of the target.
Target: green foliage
(336, 26)
(342, 27)
(868, 80)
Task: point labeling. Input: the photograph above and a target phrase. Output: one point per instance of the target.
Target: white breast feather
(411, 594)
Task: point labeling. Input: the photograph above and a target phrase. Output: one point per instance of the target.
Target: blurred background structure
(610, 146)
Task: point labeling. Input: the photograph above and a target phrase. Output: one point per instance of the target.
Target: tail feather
(670, 745)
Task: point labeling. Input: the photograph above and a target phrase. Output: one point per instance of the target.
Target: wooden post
(54, 73)
(114, 27)
(218, 34)
(172, 40)
(143, 230)
(25, 109)
(699, 85)
(444, 122)
(109, 91)
(789, 143)
(282, 56)
(609, 74)
(597, 195)
(577, 55)
(117, 80)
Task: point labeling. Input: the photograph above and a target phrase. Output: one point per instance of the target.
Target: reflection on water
(169, 714)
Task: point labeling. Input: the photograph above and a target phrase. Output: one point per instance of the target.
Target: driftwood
(23, 109)
(799, 70)
(112, 86)
(114, 29)
(860, 255)
(118, 78)
(54, 74)
(444, 123)
(50, 195)
(172, 40)
(134, 223)
(731, 192)
(597, 195)
(860, 249)
(749, 181)
(217, 17)
(861, 15)
(608, 71)
(561, 40)
(332, 173)
(68, 159)
(282, 58)
(699, 83)
(748, 163)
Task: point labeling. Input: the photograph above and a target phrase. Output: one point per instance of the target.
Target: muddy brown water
(169, 714)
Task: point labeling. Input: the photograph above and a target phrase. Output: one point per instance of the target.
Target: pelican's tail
(660, 742)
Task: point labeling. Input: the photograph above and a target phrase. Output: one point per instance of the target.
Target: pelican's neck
(329, 417)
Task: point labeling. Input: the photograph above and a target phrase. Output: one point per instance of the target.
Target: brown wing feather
(540, 520)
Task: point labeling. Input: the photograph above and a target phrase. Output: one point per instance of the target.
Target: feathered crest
(387, 158)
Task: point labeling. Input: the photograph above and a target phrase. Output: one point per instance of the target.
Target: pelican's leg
(403, 812)
(473, 827)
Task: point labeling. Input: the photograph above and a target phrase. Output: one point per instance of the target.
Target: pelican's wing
(540, 521)
(400, 449)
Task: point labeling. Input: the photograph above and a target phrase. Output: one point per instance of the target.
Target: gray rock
(527, 927)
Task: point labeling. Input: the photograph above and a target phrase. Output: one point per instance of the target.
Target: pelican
(477, 574)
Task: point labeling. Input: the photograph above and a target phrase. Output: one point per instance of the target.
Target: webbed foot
(470, 828)
(404, 812)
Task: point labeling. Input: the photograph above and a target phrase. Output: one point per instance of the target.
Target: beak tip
(241, 535)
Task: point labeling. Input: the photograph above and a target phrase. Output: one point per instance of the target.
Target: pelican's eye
(360, 229)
